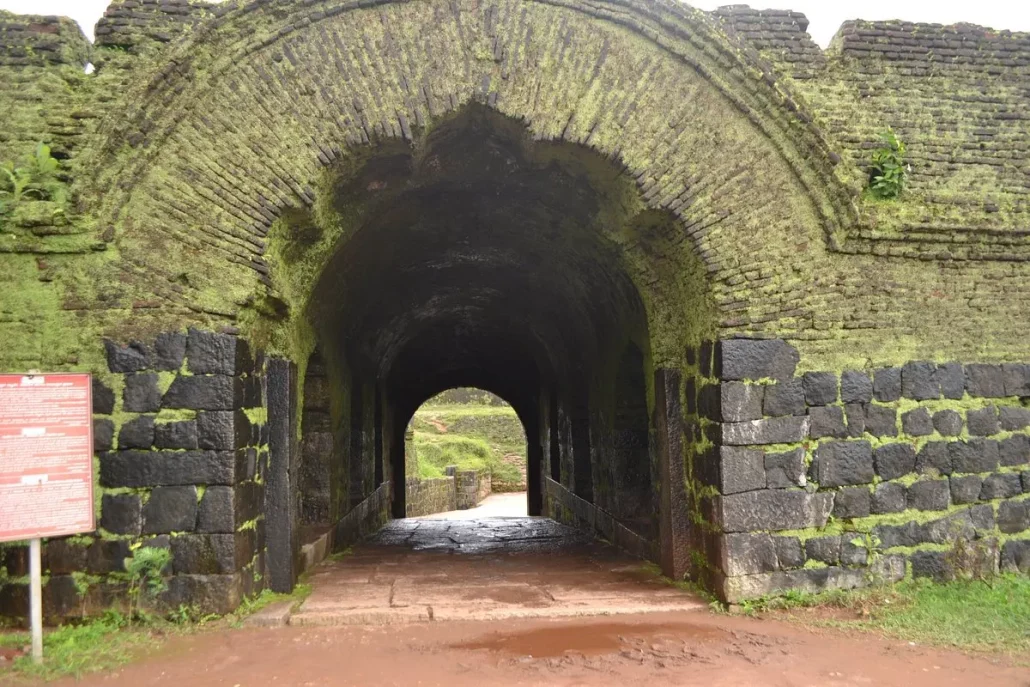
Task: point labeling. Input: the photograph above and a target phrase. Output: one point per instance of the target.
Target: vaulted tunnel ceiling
(484, 259)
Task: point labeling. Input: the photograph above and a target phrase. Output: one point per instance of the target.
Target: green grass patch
(471, 436)
(990, 615)
(98, 645)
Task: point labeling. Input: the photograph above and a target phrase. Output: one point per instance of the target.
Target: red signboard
(46, 456)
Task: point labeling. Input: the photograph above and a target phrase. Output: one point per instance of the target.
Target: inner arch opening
(478, 257)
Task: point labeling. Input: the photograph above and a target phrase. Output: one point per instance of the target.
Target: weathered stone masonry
(642, 224)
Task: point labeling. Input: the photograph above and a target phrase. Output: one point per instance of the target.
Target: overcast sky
(825, 16)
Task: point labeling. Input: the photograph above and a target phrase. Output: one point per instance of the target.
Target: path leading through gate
(492, 568)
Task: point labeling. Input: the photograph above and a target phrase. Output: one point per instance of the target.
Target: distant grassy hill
(482, 434)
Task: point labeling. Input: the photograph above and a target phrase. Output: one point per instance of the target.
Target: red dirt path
(680, 648)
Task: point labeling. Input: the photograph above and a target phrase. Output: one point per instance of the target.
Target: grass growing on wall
(481, 434)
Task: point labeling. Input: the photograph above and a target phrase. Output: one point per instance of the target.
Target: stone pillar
(280, 511)
(674, 519)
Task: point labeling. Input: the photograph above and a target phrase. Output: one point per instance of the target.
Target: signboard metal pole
(36, 575)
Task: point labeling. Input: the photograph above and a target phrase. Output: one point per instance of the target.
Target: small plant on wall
(887, 172)
(34, 179)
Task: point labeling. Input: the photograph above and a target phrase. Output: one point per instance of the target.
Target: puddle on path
(592, 639)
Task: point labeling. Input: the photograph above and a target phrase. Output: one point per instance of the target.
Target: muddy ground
(678, 648)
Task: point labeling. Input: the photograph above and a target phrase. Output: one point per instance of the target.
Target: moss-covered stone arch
(236, 128)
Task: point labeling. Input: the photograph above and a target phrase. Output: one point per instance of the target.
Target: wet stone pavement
(422, 570)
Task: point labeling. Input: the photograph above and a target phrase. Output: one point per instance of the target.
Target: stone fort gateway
(272, 229)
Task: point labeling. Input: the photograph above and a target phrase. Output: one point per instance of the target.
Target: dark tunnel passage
(479, 257)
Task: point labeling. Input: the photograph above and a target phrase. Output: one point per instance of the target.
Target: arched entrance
(557, 203)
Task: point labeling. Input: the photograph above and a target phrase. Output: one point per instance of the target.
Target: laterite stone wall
(833, 479)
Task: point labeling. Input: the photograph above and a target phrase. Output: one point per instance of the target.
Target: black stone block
(1015, 556)
(773, 509)
(107, 556)
(64, 556)
(919, 381)
(948, 422)
(169, 351)
(930, 495)
(1017, 379)
(1014, 451)
(1025, 476)
(137, 433)
(61, 597)
(976, 455)
(210, 353)
(216, 392)
(934, 458)
(784, 470)
(216, 430)
(852, 502)
(141, 394)
(784, 398)
(823, 549)
(888, 497)
(777, 430)
(894, 460)
(166, 468)
(932, 564)
(132, 357)
(840, 463)
(820, 388)
(982, 422)
(952, 380)
(917, 423)
(881, 421)
(219, 594)
(754, 359)
(827, 421)
(747, 554)
(853, 554)
(887, 384)
(205, 554)
(909, 534)
(1014, 516)
(1001, 486)
(248, 501)
(103, 398)
(253, 393)
(170, 509)
(985, 381)
(103, 435)
(217, 510)
(965, 489)
(856, 387)
(1014, 419)
(176, 435)
(855, 415)
(121, 513)
(741, 469)
(706, 359)
(740, 402)
(789, 553)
